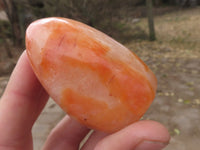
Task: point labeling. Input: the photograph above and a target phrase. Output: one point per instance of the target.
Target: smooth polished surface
(92, 77)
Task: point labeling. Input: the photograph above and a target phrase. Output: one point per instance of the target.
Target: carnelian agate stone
(96, 80)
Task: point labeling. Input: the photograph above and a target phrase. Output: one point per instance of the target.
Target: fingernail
(150, 145)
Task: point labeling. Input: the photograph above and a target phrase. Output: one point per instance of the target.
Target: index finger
(21, 103)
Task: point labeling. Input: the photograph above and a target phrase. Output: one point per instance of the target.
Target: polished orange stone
(95, 79)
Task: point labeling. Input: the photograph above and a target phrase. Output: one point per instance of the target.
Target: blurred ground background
(174, 57)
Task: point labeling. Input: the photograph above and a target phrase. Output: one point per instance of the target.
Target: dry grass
(179, 29)
(177, 36)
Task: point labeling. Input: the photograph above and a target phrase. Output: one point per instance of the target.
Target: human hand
(23, 101)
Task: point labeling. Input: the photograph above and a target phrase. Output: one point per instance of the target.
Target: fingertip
(152, 130)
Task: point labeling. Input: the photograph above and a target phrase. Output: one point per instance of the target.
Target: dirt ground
(176, 63)
(177, 104)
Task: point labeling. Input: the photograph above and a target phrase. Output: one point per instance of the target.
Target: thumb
(142, 135)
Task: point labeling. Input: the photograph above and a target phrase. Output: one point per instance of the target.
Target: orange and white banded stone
(95, 79)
